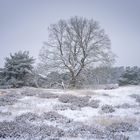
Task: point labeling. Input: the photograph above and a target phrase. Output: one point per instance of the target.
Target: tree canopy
(75, 45)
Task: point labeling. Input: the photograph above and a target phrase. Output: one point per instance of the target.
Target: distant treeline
(97, 76)
(18, 71)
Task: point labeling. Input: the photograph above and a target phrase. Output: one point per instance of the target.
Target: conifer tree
(17, 69)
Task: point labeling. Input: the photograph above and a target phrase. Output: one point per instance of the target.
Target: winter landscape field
(69, 70)
(53, 114)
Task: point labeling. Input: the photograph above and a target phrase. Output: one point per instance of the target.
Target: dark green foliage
(131, 76)
(17, 69)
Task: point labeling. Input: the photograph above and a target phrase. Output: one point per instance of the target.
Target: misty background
(24, 23)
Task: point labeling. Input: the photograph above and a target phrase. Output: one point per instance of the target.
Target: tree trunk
(73, 82)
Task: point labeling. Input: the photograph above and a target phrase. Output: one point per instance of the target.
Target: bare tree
(74, 45)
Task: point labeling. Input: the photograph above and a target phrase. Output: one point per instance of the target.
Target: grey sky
(24, 23)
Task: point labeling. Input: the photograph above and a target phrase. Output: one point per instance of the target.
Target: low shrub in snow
(50, 131)
(107, 109)
(5, 86)
(7, 129)
(90, 132)
(14, 130)
(77, 101)
(83, 131)
(121, 127)
(48, 95)
(5, 113)
(27, 117)
(136, 96)
(111, 86)
(106, 95)
(138, 100)
(114, 136)
(54, 116)
(94, 103)
(81, 101)
(41, 94)
(137, 113)
(29, 92)
(9, 99)
(125, 106)
(67, 98)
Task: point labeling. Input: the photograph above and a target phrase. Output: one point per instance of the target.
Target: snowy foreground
(50, 114)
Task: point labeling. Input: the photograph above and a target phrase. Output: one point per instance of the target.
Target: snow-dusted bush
(28, 93)
(114, 136)
(27, 117)
(75, 100)
(125, 106)
(94, 103)
(137, 113)
(5, 86)
(107, 109)
(38, 93)
(50, 131)
(13, 95)
(8, 99)
(136, 96)
(111, 86)
(8, 129)
(82, 101)
(84, 131)
(14, 130)
(67, 98)
(19, 130)
(47, 95)
(121, 127)
(138, 100)
(54, 116)
(106, 95)
(5, 113)
(81, 131)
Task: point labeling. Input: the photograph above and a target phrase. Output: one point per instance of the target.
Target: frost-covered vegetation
(17, 70)
(77, 54)
(70, 114)
(131, 76)
(57, 99)
(100, 77)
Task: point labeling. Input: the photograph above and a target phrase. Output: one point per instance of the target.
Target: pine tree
(131, 76)
(17, 69)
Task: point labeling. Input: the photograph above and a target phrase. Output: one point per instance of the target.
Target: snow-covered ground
(78, 114)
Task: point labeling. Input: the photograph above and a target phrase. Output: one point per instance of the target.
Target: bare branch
(76, 44)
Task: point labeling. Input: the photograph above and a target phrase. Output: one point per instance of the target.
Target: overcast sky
(24, 23)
